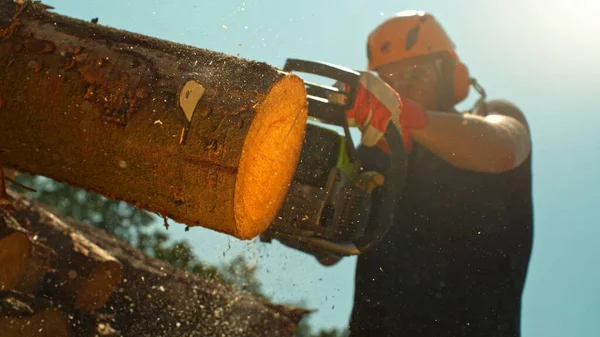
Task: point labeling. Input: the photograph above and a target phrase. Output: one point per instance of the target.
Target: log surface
(97, 108)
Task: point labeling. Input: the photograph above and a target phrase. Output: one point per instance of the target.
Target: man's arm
(496, 143)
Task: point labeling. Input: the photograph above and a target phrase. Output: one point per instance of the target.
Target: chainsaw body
(335, 208)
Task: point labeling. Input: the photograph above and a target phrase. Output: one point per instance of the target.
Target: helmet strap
(479, 108)
(446, 98)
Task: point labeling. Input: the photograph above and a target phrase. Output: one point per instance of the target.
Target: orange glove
(376, 104)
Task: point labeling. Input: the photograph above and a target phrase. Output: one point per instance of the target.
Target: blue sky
(542, 55)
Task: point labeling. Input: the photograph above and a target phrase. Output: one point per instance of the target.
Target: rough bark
(153, 298)
(96, 108)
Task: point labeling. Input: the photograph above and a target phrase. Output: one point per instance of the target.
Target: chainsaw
(335, 207)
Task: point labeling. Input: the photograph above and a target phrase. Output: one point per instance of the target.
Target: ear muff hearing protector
(455, 83)
(462, 81)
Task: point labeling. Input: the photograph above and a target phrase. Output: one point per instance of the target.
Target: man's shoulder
(501, 106)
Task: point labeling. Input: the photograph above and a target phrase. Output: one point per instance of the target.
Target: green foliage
(243, 276)
(178, 253)
(305, 330)
(132, 224)
(117, 217)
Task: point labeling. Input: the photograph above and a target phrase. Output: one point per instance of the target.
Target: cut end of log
(15, 251)
(96, 289)
(270, 155)
(50, 322)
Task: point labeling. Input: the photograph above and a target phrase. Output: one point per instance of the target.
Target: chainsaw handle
(334, 71)
(385, 198)
(319, 104)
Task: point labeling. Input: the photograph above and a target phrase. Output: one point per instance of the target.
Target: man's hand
(376, 105)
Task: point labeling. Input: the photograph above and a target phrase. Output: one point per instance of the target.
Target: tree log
(86, 273)
(48, 323)
(15, 253)
(78, 269)
(23, 259)
(154, 298)
(35, 269)
(27, 316)
(97, 108)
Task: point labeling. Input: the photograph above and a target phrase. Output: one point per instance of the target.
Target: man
(455, 262)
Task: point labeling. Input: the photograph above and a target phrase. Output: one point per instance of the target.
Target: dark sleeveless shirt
(455, 262)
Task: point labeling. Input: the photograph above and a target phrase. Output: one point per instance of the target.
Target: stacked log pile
(59, 277)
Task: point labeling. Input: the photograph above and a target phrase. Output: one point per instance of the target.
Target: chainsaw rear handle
(386, 198)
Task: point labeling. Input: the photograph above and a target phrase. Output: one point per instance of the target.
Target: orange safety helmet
(417, 34)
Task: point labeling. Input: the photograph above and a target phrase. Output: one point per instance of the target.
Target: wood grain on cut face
(50, 322)
(15, 252)
(269, 157)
